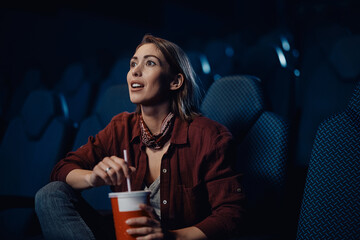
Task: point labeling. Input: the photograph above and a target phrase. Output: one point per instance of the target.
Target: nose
(136, 70)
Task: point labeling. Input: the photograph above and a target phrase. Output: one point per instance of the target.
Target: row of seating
(35, 141)
(262, 147)
(330, 206)
(81, 84)
(262, 155)
(266, 131)
(330, 71)
(262, 139)
(331, 203)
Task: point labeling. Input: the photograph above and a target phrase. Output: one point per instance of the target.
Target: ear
(177, 82)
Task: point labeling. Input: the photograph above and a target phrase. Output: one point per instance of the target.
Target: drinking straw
(128, 178)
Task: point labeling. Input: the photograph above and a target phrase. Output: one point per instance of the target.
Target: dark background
(48, 36)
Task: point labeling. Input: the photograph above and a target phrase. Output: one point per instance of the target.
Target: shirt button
(164, 202)
(238, 189)
(164, 170)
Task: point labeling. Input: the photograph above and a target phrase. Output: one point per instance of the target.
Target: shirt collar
(179, 134)
(135, 133)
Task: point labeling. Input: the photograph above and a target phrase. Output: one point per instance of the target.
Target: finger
(132, 169)
(143, 221)
(108, 167)
(154, 236)
(149, 210)
(140, 231)
(123, 164)
(110, 179)
(98, 172)
(116, 173)
(96, 180)
(146, 232)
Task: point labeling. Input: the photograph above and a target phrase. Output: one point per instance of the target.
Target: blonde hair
(185, 101)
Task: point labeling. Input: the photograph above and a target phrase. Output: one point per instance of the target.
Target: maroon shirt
(197, 185)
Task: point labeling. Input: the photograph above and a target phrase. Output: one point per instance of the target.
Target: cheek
(165, 81)
(156, 81)
(128, 77)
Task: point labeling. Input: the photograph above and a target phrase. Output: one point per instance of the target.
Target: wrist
(88, 179)
(189, 233)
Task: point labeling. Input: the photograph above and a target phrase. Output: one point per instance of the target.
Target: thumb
(149, 210)
(132, 169)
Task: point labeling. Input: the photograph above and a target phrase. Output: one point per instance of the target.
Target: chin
(135, 100)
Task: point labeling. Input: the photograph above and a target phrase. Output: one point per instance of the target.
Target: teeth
(136, 85)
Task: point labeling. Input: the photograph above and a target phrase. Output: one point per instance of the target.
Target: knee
(51, 195)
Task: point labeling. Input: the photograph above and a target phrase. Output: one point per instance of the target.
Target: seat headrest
(234, 101)
(220, 55)
(37, 112)
(354, 103)
(345, 57)
(71, 79)
(115, 100)
(119, 71)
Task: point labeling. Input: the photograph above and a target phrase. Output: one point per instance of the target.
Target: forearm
(189, 233)
(79, 179)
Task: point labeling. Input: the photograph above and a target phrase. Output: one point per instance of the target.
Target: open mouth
(137, 85)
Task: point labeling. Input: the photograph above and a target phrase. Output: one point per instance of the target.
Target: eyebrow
(147, 56)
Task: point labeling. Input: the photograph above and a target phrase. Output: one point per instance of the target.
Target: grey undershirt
(155, 196)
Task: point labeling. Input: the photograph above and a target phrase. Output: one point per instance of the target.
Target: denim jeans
(64, 214)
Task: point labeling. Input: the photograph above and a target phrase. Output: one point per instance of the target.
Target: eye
(150, 63)
(133, 64)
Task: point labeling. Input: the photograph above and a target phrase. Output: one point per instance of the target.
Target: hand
(145, 228)
(110, 171)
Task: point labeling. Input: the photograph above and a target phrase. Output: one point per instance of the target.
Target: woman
(184, 158)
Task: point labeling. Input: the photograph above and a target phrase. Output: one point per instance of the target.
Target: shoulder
(121, 122)
(202, 122)
(122, 126)
(208, 127)
(124, 117)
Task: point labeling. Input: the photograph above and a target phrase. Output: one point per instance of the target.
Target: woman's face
(148, 76)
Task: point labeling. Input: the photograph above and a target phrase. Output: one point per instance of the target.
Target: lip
(136, 89)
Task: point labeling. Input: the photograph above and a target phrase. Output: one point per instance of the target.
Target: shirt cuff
(60, 175)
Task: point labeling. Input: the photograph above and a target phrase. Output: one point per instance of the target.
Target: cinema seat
(32, 144)
(331, 203)
(261, 139)
(114, 100)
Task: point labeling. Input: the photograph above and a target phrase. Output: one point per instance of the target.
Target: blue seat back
(329, 72)
(221, 57)
(114, 101)
(31, 146)
(331, 203)
(30, 82)
(235, 102)
(117, 75)
(75, 93)
(202, 68)
(262, 146)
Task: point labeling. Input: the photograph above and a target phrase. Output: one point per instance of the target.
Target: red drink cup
(125, 205)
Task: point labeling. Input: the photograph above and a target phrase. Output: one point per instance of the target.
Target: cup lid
(129, 194)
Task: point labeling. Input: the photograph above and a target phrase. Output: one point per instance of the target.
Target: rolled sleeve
(226, 199)
(224, 190)
(85, 157)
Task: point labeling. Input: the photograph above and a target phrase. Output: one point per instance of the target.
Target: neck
(153, 116)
